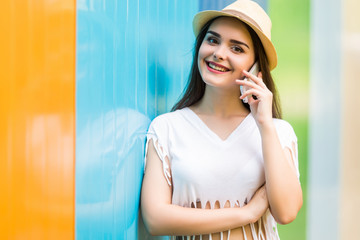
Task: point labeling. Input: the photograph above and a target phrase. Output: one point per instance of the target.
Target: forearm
(175, 220)
(282, 185)
(161, 217)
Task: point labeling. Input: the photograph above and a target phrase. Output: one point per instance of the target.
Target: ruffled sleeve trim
(288, 140)
(156, 133)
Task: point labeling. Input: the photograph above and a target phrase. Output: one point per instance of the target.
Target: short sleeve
(288, 140)
(158, 132)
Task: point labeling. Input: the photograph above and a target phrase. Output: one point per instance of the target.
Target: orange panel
(37, 119)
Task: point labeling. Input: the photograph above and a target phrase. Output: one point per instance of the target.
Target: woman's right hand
(161, 217)
(258, 204)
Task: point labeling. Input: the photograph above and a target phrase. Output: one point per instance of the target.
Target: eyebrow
(231, 40)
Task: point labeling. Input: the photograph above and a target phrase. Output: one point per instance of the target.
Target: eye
(212, 40)
(237, 49)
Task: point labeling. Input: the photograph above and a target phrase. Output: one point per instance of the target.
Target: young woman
(216, 167)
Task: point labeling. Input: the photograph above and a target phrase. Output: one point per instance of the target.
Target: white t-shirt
(205, 169)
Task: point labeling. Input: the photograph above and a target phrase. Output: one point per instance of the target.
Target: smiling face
(225, 52)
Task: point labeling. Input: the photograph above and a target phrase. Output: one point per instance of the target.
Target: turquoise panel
(220, 4)
(133, 59)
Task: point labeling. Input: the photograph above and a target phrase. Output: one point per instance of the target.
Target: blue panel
(220, 4)
(132, 63)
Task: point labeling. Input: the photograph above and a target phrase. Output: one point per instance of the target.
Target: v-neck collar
(231, 137)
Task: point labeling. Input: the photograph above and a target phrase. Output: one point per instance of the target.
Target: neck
(221, 102)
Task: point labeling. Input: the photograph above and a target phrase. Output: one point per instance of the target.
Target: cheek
(242, 64)
(202, 52)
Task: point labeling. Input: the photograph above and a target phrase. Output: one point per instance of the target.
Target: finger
(250, 93)
(256, 79)
(249, 84)
(262, 188)
(261, 192)
(252, 100)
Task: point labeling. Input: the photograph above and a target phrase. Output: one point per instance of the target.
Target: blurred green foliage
(291, 37)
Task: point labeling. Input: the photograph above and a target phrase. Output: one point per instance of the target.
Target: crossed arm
(282, 185)
(163, 218)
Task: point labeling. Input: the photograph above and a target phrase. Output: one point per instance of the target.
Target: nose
(219, 53)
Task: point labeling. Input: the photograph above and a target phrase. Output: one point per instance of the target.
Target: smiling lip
(216, 68)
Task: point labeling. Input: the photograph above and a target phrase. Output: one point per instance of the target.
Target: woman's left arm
(282, 184)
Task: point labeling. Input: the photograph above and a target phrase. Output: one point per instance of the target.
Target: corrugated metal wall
(133, 58)
(220, 4)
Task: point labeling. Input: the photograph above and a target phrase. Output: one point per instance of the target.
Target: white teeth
(221, 69)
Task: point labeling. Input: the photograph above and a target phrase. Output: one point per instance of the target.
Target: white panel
(325, 108)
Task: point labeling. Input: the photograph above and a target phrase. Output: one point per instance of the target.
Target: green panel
(291, 34)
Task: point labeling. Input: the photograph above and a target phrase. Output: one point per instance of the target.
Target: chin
(218, 81)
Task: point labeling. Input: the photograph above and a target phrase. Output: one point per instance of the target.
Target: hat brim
(203, 17)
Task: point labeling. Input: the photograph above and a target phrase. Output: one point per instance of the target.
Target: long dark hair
(195, 88)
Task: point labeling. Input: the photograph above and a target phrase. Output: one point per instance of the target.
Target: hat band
(241, 16)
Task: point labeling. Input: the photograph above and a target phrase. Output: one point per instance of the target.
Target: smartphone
(253, 70)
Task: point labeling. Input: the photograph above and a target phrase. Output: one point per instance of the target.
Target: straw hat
(250, 13)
